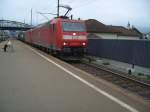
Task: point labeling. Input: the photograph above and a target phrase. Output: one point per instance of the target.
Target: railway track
(127, 82)
(123, 80)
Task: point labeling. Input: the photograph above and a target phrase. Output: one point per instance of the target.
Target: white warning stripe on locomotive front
(68, 37)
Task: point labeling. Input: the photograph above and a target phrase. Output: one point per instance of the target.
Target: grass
(145, 76)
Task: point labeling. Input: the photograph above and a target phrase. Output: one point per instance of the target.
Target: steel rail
(116, 73)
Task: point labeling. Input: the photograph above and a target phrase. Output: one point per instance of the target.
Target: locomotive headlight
(74, 34)
(83, 43)
(65, 43)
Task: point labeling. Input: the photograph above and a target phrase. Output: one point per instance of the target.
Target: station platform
(33, 81)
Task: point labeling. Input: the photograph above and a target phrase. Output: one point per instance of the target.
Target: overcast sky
(110, 12)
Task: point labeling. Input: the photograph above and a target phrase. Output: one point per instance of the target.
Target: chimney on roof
(128, 26)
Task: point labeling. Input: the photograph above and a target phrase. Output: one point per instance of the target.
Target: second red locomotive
(60, 36)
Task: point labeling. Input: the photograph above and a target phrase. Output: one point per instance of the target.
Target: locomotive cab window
(73, 26)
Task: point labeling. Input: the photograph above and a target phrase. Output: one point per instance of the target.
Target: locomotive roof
(58, 19)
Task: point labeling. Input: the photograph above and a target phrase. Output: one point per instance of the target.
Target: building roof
(94, 26)
(124, 31)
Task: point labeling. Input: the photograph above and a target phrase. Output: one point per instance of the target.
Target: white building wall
(106, 35)
(148, 36)
(128, 38)
(115, 36)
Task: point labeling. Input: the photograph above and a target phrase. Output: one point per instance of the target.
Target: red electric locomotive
(60, 36)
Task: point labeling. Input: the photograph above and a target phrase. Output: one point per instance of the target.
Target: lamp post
(58, 9)
(31, 17)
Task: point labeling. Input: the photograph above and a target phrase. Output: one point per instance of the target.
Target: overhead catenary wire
(43, 15)
(70, 1)
(85, 4)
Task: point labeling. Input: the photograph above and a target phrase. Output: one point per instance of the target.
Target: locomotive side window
(53, 27)
(72, 26)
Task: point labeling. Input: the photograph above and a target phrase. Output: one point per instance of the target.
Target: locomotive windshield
(70, 26)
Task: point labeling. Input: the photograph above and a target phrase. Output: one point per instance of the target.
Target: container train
(60, 36)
